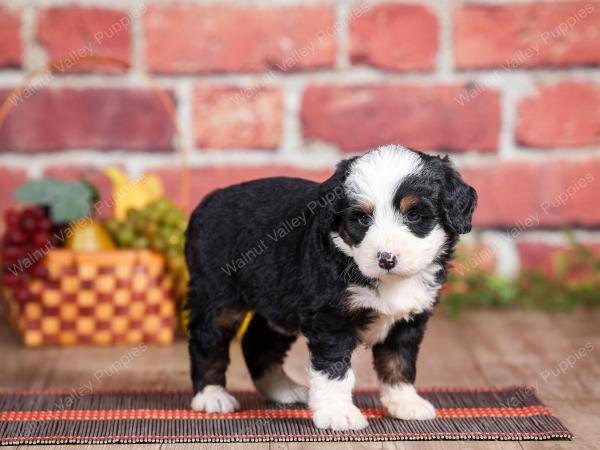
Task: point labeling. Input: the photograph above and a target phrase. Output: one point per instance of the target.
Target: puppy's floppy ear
(331, 195)
(457, 200)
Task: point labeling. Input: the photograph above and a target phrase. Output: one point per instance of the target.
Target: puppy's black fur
(296, 280)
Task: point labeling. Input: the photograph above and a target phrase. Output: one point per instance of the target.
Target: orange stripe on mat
(182, 414)
(250, 391)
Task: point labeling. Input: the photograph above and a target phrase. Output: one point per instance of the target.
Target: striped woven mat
(137, 416)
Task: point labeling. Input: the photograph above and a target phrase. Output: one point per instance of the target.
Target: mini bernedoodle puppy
(356, 260)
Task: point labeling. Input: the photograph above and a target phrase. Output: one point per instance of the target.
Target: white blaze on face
(373, 180)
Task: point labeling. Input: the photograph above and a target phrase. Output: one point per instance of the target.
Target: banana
(132, 194)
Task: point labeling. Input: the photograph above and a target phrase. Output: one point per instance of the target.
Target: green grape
(174, 239)
(159, 226)
(176, 263)
(163, 205)
(182, 225)
(175, 217)
(125, 236)
(144, 214)
(158, 244)
(180, 214)
(166, 219)
(135, 219)
(173, 253)
(112, 225)
(153, 215)
(150, 229)
(132, 214)
(141, 242)
(165, 232)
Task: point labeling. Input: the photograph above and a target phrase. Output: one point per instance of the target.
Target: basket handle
(165, 99)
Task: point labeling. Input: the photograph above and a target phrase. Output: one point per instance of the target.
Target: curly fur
(298, 252)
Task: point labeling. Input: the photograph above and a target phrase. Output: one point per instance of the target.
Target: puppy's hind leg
(264, 351)
(210, 335)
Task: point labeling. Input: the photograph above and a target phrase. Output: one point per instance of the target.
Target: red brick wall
(511, 89)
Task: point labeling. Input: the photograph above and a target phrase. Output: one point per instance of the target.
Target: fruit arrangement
(53, 216)
(59, 214)
(158, 226)
(145, 219)
(132, 194)
(56, 214)
(29, 231)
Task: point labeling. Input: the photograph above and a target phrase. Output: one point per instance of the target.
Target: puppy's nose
(387, 261)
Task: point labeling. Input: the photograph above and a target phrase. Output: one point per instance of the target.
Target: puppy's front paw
(343, 418)
(214, 399)
(403, 402)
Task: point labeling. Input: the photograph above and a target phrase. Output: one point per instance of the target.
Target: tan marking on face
(408, 202)
(366, 208)
(345, 236)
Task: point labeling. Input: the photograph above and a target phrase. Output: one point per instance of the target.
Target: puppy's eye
(413, 216)
(363, 219)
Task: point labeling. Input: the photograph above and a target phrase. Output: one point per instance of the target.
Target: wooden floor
(483, 348)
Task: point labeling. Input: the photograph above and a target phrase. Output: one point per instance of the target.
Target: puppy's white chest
(378, 329)
(393, 301)
(385, 318)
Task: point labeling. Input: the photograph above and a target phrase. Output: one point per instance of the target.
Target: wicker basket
(105, 298)
(108, 297)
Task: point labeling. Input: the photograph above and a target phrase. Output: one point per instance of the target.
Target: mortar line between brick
(184, 92)
(557, 237)
(303, 158)
(136, 35)
(445, 60)
(291, 136)
(342, 35)
(29, 18)
(354, 75)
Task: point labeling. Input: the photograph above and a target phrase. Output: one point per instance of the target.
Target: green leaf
(70, 208)
(94, 194)
(37, 192)
(561, 263)
(68, 200)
